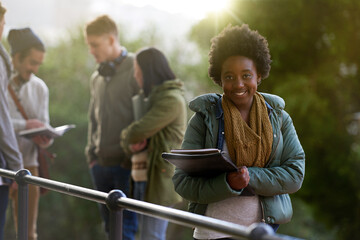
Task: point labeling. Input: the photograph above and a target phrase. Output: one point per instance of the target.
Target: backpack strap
(17, 102)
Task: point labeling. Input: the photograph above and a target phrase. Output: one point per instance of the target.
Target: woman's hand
(137, 147)
(238, 180)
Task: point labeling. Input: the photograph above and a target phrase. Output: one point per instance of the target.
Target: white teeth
(240, 93)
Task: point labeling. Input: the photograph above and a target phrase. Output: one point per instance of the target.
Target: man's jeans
(115, 177)
(150, 228)
(4, 198)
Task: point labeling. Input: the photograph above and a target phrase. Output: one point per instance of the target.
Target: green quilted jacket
(164, 125)
(283, 174)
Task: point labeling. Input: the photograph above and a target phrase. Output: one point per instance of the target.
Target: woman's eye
(229, 77)
(247, 76)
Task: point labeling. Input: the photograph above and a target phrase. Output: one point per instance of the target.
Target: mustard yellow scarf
(248, 145)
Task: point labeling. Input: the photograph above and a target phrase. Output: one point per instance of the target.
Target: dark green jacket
(283, 174)
(164, 124)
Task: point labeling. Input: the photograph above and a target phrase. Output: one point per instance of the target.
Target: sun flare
(193, 8)
(213, 5)
(201, 8)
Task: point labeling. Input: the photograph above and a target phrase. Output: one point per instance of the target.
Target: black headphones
(108, 68)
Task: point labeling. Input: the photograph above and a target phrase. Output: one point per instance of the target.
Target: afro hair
(238, 41)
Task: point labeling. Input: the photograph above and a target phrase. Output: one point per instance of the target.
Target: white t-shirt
(34, 98)
(242, 210)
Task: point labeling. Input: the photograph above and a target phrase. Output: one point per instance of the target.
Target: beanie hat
(23, 39)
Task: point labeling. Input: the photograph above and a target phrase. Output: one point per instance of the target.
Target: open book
(47, 131)
(200, 162)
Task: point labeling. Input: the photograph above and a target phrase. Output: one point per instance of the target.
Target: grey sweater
(10, 157)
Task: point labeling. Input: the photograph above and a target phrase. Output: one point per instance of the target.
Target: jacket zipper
(262, 210)
(277, 145)
(267, 165)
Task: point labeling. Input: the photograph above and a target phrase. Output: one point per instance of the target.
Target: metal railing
(116, 201)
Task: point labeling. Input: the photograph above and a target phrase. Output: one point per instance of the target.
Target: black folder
(200, 162)
(208, 162)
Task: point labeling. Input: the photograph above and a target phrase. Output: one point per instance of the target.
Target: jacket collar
(219, 112)
(204, 103)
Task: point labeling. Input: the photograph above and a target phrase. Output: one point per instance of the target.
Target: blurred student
(10, 156)
(28, 98)
(112, 87)
(160, 129)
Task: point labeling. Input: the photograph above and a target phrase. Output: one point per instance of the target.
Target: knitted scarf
(248, 145)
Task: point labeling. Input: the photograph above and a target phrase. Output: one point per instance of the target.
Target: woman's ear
(259, 79)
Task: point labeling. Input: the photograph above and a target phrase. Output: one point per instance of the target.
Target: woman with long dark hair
(160, 129)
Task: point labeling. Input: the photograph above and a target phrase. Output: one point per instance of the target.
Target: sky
(170, 19)
(52, 18)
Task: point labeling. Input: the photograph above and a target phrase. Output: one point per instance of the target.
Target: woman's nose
(239, 82)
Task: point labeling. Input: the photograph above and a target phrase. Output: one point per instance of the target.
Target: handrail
(117, 201)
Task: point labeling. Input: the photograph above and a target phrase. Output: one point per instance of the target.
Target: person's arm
(8, 142)
(288, 177)
(160, 115)
(19, 124)
(199, 189)
(92, 126)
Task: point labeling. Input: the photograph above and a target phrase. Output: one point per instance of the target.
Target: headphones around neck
(108, 68)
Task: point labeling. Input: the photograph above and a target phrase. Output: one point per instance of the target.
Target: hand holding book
(40, 140)
(33, 123)
(200, 162)
(210, 162)
(238, 180)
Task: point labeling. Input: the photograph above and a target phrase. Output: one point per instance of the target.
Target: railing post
(22, 203)
(259, 230)
(116, 214)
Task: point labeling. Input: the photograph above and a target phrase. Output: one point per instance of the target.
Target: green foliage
(316, 70)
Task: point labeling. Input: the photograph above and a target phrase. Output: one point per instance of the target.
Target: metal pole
(260, 230)
(116, 214)
(22, 203)
(116, 201)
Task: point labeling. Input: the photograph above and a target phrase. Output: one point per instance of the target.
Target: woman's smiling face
(240, 80)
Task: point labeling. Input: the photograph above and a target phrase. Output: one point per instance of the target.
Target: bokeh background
(315, 52)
